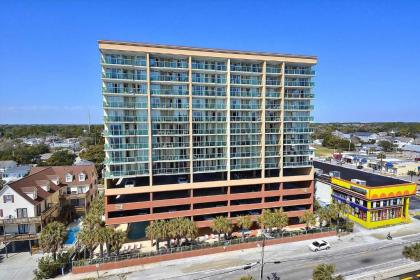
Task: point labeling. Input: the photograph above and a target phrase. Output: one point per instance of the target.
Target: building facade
(200, 133)
(375, 200)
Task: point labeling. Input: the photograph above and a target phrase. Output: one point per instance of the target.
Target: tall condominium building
(200, 133)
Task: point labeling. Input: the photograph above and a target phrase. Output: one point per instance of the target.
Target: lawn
(321, 151)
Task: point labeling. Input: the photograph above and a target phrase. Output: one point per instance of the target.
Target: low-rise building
(46, 194)
(375, 200)
(15, 173)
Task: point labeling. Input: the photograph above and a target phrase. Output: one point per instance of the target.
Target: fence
(194, 247)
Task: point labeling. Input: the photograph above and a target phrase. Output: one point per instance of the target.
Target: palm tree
(222, 225)
(52, 237)
(190, 229)
(411, 173)
(412, 252)
(109, 232)
(325, 272)
(280, 219)
(156, 230)
(381, 156)
(339, 210)
(100, 236)
(87, 238)
(324, 215)
(245, 223)
(308, 218)
(266, 219)
(117, 240)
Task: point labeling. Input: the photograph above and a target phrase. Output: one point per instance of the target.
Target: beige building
(199, 133)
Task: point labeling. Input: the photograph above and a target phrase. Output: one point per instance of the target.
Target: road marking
(407, 278)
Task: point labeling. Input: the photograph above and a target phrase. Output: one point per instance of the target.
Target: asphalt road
(349, 261)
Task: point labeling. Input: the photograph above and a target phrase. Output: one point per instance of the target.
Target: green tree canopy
(52, 237)
(325, 272)
(60, 158)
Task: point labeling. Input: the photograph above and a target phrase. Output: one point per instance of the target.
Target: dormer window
(82, 177)
(69, 178)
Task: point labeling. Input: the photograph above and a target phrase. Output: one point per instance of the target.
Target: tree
(386, 146)
(325, 272)
(156, 230)
(280, 219)
(339, 210)
(52, 238)
(100, 236)
(117, 240)
(95, 154)
(324, 215)
(2, 184)
(308, 218)
(381, 157)
(266, 219)
(49, 268)
(87, 237)
(412, 252)
(410, 173)
(59, 158)
(244, 223)
(222, 225)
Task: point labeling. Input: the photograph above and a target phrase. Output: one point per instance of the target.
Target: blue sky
(369, 51)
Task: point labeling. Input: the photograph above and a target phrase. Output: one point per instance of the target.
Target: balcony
(209, 80)
(305, 72)
(124, 133)
(133, 146)
(298, 153)
(297, 141)
(297, 108)
(126, 105)
(168, 78)
(9, 237)
(209, 106)
(299, 95)
(298, 119)
(167, 92)
(298, 164)
(125, 76)
(125, 118)
(124, 61)
(298, 84)
(168, 105)
(209, 93)
(117, 174)
(31, 220)
(169, 64)
(245, 68)
(126, 160)
(121, 90)
(208, 66)
(243, 81)
(209, 118)
(298, 130)
(170, 118)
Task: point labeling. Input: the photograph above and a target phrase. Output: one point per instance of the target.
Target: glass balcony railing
(298, 153)
(165, 145)
(272, 153)
(170, 131)
(208, 106)
(124, 90)
(125, 76)
(245, 81)
(209, 131)
(174, 105)
(245, 155)
(273, 82)
(170, 157)
(125, 132)
(299, 72)
(245, 119)
(208, 66)
(269, 165)
(272, 94)
(125, 118)
(170, 118)
(168, 78)
(298, 164)
(181, 170)
(245, 106)
(296, 141)
(245, 142)
(209, 156)
(244, 131)
(126, 146)
(273, 106)
(245, 68)
(298, 107)
(245, 93)
(209, 168)
(298, 130)
(272, 118)
(123, 61)
(245, 166)
(168, 92)
(111, 174)
(273, 69)
(272, 130)
(121, 160)
(209, 80)
(298, 119)
(209, 144)
(130, 105)
(298, 84)
(169, 64)
(209, 118)
(298, 95)
(208, 92)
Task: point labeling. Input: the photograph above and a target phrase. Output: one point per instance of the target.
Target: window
(22, 212)
(1, 213)
(82, 177)
(24, 228)
(8, 198)
(69, 177)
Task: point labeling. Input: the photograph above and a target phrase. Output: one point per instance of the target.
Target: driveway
(18, 266)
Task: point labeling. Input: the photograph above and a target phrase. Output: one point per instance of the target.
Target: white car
(319, 245)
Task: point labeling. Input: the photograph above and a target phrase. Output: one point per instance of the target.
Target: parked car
(319, 245)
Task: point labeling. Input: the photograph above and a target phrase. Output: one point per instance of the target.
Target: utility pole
(262, 258)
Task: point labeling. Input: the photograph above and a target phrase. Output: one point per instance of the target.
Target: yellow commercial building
(375, 200)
